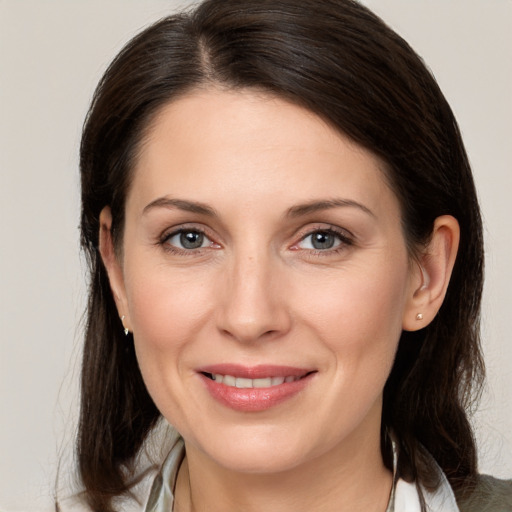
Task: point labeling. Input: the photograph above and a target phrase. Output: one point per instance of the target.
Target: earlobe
(112, 264)
(432, 274)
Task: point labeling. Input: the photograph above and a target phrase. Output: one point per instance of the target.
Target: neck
(351, 477)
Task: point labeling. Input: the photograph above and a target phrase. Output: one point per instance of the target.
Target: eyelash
(164, 241)
(344, 239)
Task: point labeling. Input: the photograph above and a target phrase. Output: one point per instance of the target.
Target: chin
(257, 461)
(257, 452)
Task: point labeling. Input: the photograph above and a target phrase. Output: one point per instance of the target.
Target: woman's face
(264, 250)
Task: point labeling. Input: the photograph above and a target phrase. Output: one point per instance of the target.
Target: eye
(322, 240)
(188, 239)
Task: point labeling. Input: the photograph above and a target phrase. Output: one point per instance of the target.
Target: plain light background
(52, 54)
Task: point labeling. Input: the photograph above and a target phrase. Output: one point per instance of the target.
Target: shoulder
(489, 495)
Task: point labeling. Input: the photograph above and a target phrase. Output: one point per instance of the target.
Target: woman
(286, 264)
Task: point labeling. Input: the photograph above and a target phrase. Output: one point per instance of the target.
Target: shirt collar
(405, 495)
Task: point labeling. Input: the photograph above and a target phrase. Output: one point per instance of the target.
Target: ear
(113, 266)
(431, 275)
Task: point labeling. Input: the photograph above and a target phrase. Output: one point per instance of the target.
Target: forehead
(250, 117)
(253, 145)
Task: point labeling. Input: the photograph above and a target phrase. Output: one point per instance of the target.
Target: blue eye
(322, 240)
(188, 239)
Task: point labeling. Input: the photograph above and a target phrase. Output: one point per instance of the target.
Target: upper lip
(261, 371)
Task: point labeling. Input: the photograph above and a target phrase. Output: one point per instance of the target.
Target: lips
(257, 388)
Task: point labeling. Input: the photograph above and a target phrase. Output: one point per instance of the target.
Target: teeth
(262, 383)
(243, 383)
(229, 380)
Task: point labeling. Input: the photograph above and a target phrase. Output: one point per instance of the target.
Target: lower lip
(254, 399)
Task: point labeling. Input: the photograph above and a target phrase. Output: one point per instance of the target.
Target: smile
(245, 383)
(257, 388)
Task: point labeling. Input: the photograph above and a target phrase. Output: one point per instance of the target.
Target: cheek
(359, 322)
(167, 308)
(362, 300)
(358, 315)
(165, 305)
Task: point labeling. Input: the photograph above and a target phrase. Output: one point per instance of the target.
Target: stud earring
(419, 316)
(126, 330)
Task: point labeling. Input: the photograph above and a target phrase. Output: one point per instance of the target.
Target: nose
(254, 303)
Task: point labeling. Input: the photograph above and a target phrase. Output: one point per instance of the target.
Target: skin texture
(259, 292)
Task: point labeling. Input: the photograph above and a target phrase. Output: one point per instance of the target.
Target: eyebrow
(181, 204)
(295, 211)
(316, 206)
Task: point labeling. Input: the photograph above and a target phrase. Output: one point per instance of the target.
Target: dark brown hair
(340, 61)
